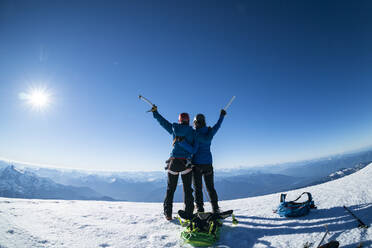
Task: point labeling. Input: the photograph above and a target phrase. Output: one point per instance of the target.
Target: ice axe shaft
(228, 105)
(325, 234)
(360, 222)
(146, 100)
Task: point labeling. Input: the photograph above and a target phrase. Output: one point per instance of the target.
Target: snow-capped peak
(11, 169)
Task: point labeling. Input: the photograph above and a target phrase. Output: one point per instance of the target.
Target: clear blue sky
(301, 72)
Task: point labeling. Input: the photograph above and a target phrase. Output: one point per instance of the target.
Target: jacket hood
(181, 129)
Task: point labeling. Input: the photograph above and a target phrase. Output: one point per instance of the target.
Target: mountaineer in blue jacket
(178, 163)
(202, 160)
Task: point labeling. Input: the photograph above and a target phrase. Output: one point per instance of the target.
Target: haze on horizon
(16, 163)
(301, 77)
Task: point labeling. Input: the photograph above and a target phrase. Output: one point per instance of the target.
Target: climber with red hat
(178, 162)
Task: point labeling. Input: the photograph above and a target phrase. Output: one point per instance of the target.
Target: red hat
(184, 118)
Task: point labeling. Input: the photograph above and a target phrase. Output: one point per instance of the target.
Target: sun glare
(38, 98)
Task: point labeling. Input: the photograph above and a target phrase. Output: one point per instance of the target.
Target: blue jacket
(180, 130)
(202, 146)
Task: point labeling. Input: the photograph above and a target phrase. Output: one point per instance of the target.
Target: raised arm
(162, 121)
(218, 124)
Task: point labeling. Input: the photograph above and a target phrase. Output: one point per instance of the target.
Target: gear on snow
(360, 222)
(294, 208)
(202, 229)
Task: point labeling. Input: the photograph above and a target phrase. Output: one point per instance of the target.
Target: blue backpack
(293, 208)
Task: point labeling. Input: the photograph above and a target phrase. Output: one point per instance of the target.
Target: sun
(37, 98)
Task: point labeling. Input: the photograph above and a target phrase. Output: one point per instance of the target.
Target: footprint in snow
(10, 231)
(170, 244)
(83, 226)
(104, 245)
(43, 241)
(158, 237)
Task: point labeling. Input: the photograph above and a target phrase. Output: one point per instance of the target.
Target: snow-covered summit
(46, 223)
(339, 174)
(346, 171)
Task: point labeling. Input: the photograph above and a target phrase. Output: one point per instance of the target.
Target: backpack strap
(308, 195)
(213, 227)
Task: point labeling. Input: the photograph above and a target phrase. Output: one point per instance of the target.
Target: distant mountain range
(24, 184)
(318, 168)
(49, 183)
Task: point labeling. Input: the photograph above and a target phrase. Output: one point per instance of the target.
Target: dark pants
(187, 193)
(198, 172)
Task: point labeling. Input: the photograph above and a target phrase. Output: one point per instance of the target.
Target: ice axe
(325, 234)
(228, 105)
(146, 100)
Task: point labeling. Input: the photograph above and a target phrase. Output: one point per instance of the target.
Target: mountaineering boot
(215, 208)
(168, 211)
(185, 215)
(189, 210)
(200, 209)
(168, 215)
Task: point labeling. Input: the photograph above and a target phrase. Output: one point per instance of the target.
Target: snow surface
(59, 223)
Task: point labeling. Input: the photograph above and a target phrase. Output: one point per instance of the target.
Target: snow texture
(60, 223)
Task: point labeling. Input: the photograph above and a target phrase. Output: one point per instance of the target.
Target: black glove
(223, 112)
(180, 138)
(154, 108)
